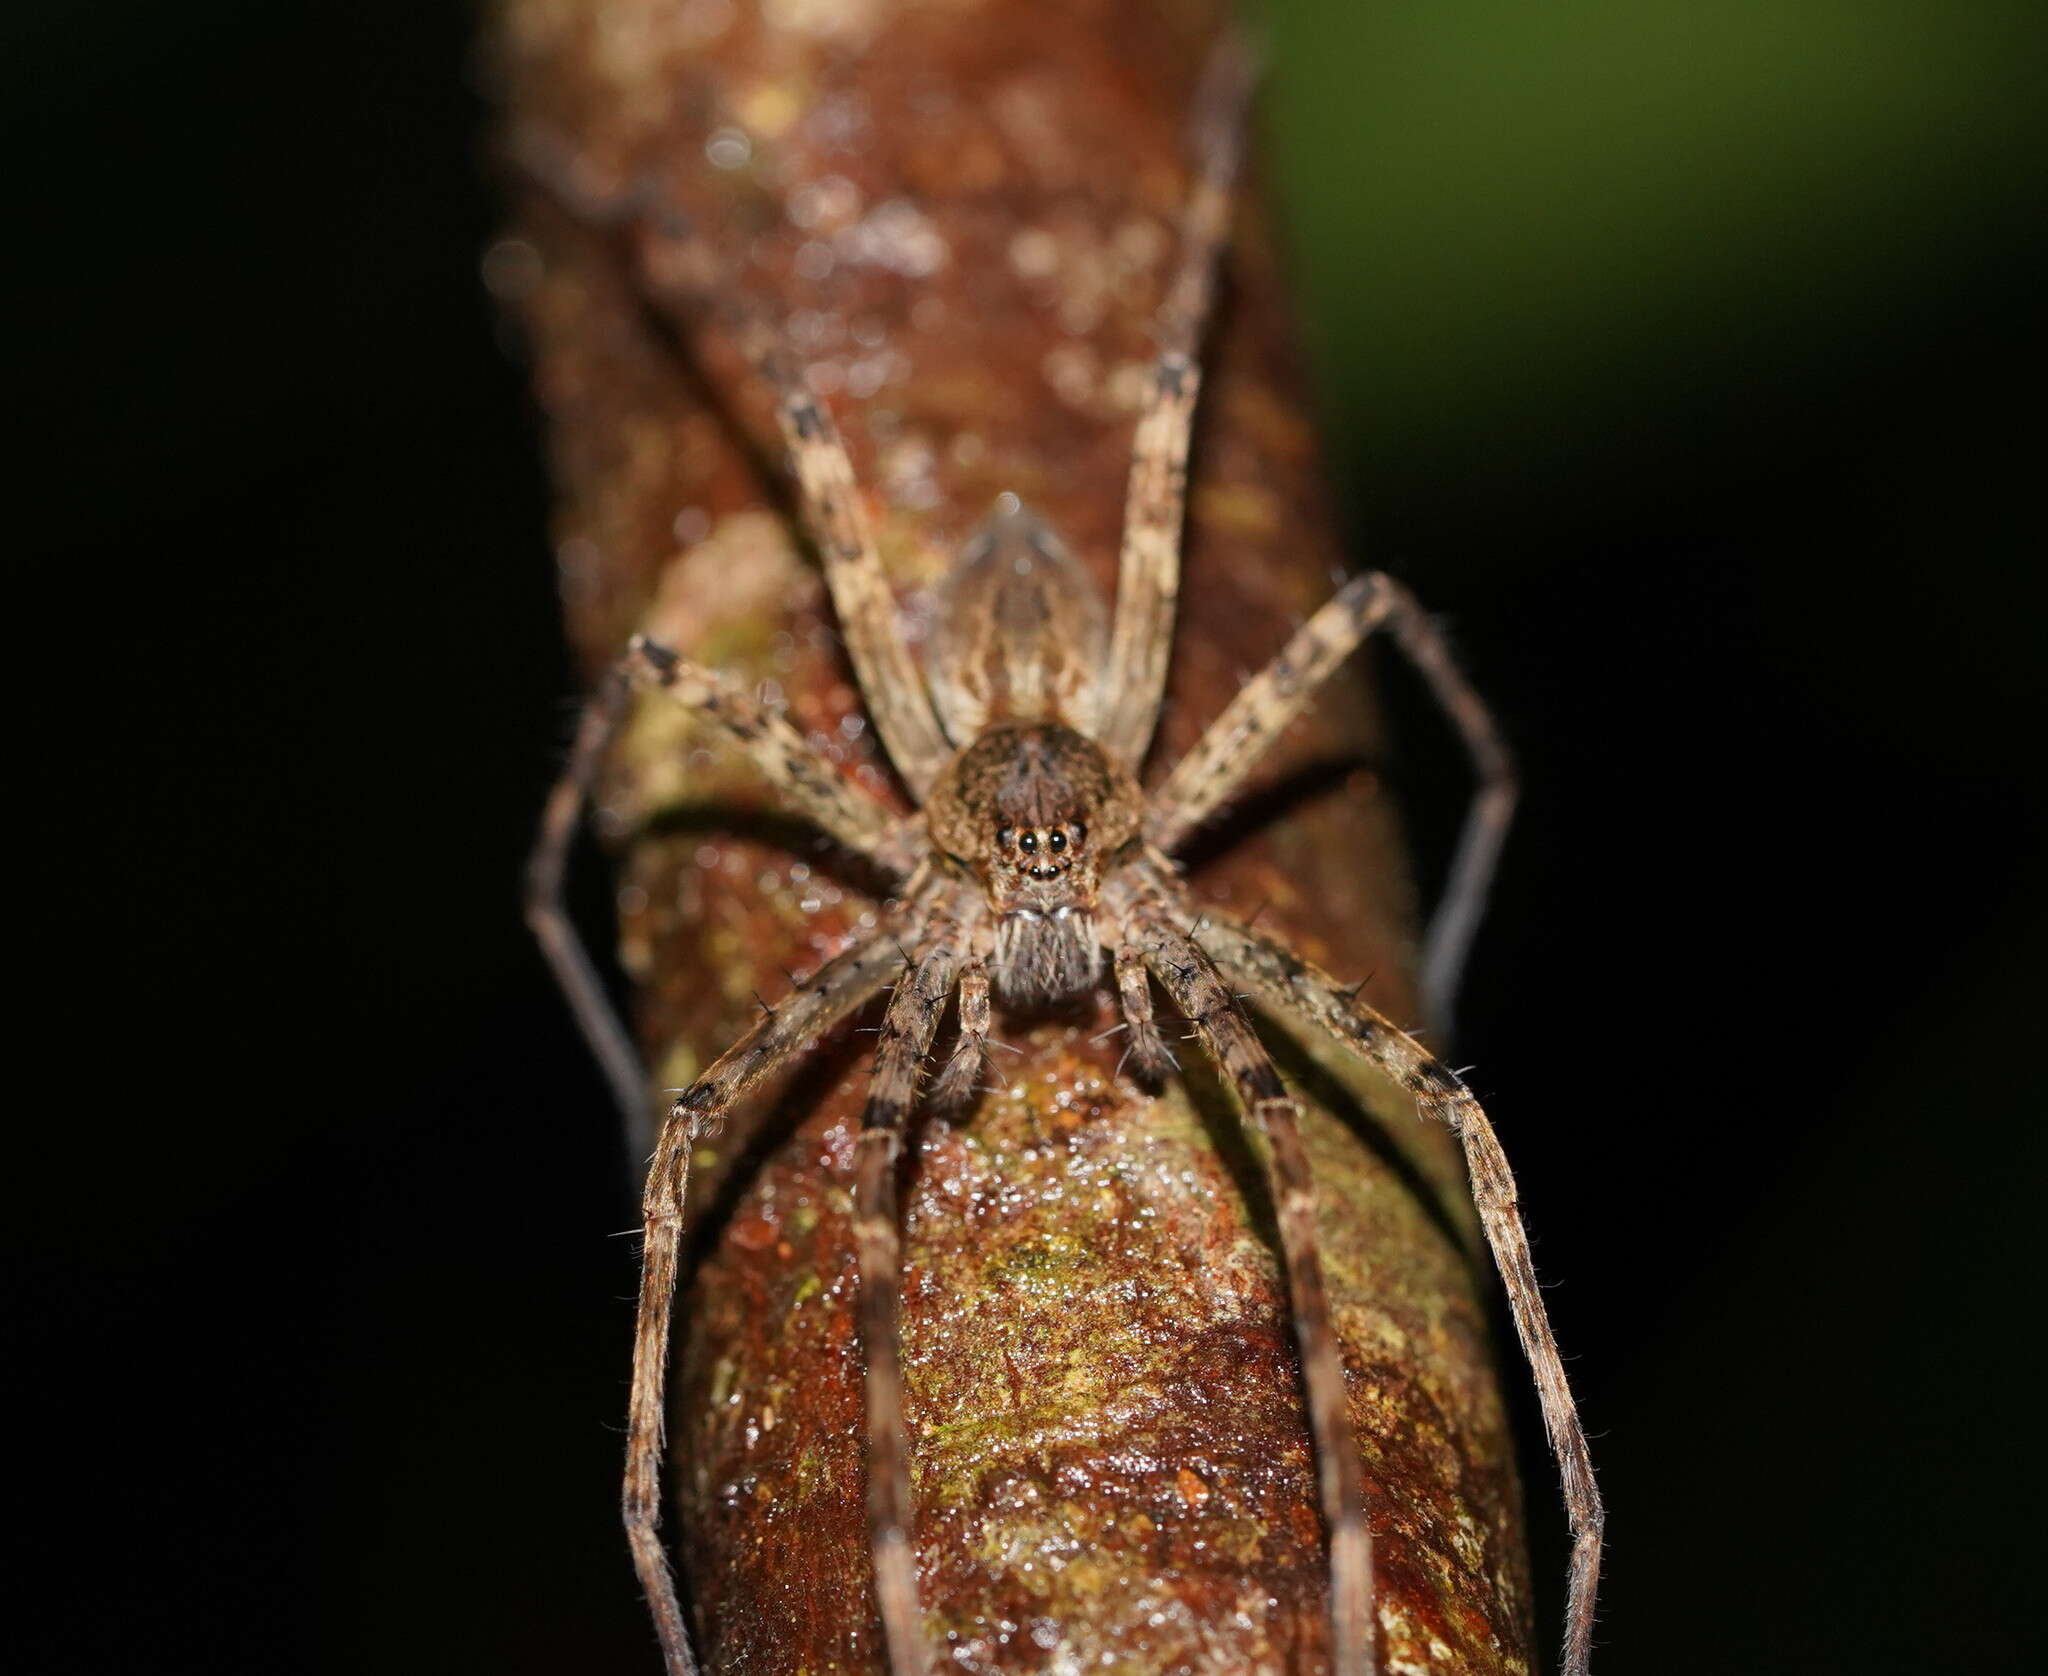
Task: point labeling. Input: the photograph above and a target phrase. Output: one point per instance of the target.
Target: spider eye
(1028, 843)
(1003, 836)
(1080, 833)
(1057, 839)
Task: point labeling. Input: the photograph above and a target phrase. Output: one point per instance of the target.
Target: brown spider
(1035, 868)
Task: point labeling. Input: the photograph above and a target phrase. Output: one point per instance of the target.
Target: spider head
(1039, 813)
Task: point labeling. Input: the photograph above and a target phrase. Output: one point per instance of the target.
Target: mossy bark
(965, 214)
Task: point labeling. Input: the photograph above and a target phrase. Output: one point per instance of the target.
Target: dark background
(1676, 352)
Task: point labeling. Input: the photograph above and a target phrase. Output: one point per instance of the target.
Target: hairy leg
(1246, 732)
(957, 1082)
(680, 265)
(820, 1001)
(1292, 986)
(1199, 991)
(808, 782)
(549, 921)
(1148, 572)
(805, 780)
(1449, 937)
(1147, 1049)
(891, 687)
(907, 1029)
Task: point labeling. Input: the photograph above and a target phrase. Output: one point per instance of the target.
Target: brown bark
(964, 213)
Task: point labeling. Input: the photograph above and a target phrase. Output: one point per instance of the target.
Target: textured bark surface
(965, 212)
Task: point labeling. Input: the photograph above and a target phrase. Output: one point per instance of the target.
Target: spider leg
(1293, 986)
(907, 1029)
(892, 688)
(1191, 978)
(549, 921)
(680, 265)
(1148, 570)
(836, 989)
(957, 1082)
(1449, 936)
(1248, 727)
(1148, 1051)
(804, 778)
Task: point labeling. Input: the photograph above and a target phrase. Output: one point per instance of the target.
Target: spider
(1035, 870)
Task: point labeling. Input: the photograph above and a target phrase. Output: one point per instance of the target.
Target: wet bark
(964, 213)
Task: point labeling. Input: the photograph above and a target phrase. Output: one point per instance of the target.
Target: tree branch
(965, 215)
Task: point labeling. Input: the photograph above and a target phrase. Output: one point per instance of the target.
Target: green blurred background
(1681, 354)
(1685, 355)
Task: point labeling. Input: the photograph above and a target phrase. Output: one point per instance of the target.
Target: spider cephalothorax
(1034, 855)
(1038, 813)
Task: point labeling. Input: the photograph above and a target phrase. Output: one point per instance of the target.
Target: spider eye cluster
(1055, 839)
